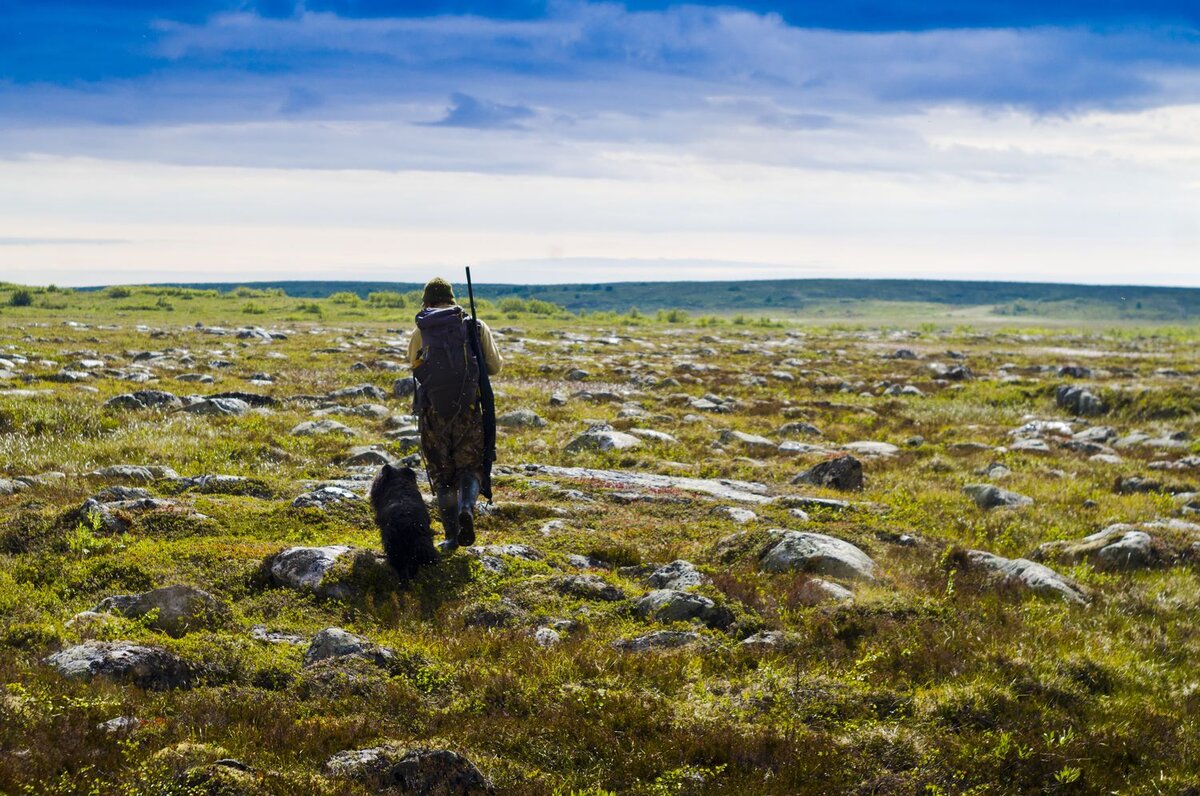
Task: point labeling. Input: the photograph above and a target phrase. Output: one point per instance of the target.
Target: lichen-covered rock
(818, 553)
(1026, 574)
(123, 661)
(428, 772)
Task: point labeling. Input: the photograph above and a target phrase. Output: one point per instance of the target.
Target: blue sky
(580, 141)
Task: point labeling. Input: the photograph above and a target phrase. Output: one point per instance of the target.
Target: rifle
(487, 399)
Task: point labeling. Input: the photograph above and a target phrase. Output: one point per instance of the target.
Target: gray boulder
(589, 587)
(1117, 547)
(844, 473)
(990, 496)
(602, 438)
(798, 429)
(872, 448)
(659, 639)
(223, 407)
(123, 662)
(145, 399)
(325, 571)
(175, 610)
(748, 441)
(737, 514)
(1079, 401)
(366, 456)
(12, 486)
(520, 418)
(333, 642)
(137, 473)
(313, 427)
(1025, 574)
(818, 553)
(367, 391)
(673, 605)
(404, 388)
(392, 768)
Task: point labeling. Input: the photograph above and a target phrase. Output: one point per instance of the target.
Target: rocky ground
(725, 559)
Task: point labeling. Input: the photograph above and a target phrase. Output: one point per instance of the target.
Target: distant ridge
(794, 295)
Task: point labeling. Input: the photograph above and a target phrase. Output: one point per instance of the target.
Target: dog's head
(390, 478)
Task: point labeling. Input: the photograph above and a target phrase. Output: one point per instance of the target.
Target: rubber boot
(448, 508)
(468, 493)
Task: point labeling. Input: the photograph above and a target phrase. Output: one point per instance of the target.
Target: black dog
(403, 520)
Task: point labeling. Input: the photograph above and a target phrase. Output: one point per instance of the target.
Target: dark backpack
(448, 376)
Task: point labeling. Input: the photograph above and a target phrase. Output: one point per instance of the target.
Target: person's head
(438, 293)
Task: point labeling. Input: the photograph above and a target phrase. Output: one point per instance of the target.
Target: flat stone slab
(723, 489)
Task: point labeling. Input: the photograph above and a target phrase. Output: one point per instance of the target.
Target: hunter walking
(453, 397)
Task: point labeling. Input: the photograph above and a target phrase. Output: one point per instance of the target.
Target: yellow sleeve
(491, 354)
(414, 348)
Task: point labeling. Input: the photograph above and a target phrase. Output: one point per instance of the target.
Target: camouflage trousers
(452, 445)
